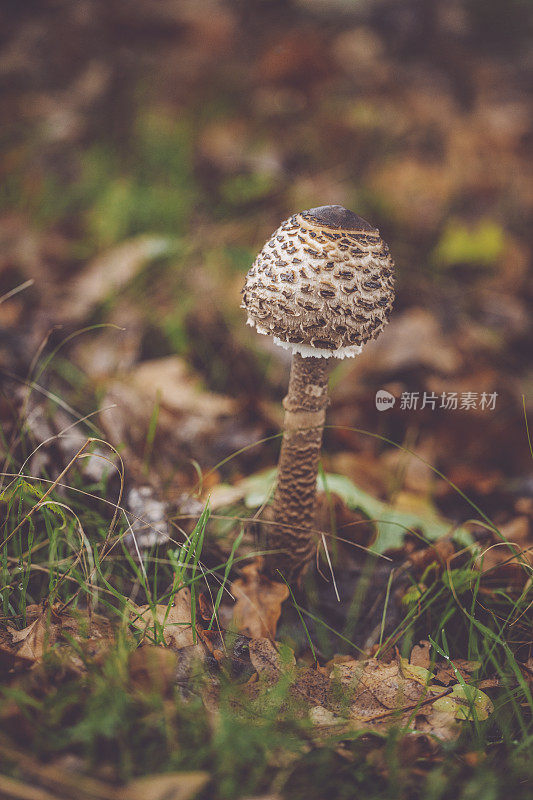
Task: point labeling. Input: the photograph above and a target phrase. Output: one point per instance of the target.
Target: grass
(64, 544)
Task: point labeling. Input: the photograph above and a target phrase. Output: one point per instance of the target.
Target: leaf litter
(258, 601)
(344, 694)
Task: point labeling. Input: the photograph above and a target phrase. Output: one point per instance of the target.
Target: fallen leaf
(92, 633)
(173, 786)
(374, 694)
(420, 654)
(296, 56)
(517, 533)
(440, 724)
(172, 382)
(9, 658)
(268, 659)
(437, 554)
(332, 514)
(174, 623)
(166, 393)
(33, 639)
(419, 674)
(446, 674)
(258, 602)
(413, 339)
(391, 523)
(115, 349)
(109, 273)
(312, 686)
(205, 607)
(382, 684)
(323, 716)
(472, 702)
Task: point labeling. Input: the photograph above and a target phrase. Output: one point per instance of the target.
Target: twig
(418, 704)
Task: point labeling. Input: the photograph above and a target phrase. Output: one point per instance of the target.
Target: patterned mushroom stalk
(322, 286)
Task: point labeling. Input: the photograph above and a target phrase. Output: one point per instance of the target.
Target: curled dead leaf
(259, 599)
(33, 638)
(173, 623)
(50, 627)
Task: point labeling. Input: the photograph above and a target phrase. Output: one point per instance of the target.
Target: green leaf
(471, 699)
(258, 488)
(391, 524)
(461, 244)
(418, 674)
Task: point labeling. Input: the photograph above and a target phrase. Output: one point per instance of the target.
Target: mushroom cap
(322, 285)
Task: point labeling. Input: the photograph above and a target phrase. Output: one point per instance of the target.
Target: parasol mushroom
(321, 286)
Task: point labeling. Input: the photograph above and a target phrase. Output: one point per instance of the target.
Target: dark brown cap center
(337, 217)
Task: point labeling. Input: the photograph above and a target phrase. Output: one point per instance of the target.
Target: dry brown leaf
(259, 599)
(178, 389)
(414, 468)
(323, 716)
(349, 525)
(266, 658)
(413, 339)
(33, 639)
(176, 621)
(378, 694)
(24, 648)
(109, 273)
(517, 532)
(446, 675)
(438, 553)
(313, 686)
(190, 419)
(9, 658)
(31, 642)
(12, 789)
(61, 781)
(173, 786)
(377, 687)
(420, 655)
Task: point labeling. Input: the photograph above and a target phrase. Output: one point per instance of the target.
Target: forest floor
(147, 156)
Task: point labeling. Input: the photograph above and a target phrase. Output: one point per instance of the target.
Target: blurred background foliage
(148, 149)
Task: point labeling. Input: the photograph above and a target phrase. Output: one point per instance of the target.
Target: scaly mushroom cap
(322, 285)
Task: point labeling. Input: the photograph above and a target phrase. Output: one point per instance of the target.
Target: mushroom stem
(294, 498)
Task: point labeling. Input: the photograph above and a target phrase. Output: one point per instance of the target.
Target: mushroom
(322, 286)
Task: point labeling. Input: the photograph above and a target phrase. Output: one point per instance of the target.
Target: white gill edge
(306, 350)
